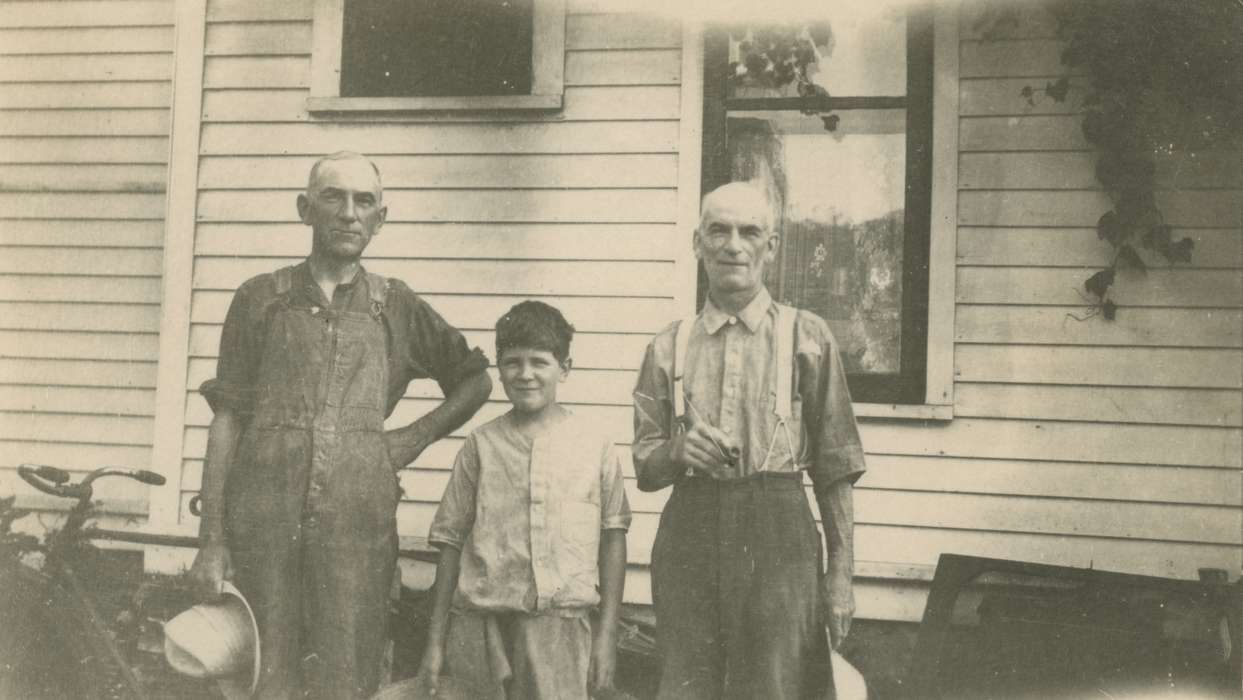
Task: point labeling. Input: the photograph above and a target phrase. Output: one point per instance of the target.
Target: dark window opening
(436, 48)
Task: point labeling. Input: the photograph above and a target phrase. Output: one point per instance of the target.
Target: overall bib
(312, 496)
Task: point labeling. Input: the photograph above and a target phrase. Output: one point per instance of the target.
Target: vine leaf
(1109, 309)
(1099, 283)
(1127, 257)
(1109, 228)
(830, 122)
(1158, 239)
(1181, 251)
(1028, 93)
(1058, 90)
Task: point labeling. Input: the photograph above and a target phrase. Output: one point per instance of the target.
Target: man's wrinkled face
(344, 207)
(734, 241)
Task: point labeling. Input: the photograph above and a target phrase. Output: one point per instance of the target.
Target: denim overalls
(312, 497)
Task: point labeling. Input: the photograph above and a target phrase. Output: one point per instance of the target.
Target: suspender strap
(284, 280)
(377, 289)
(681, 341)
(783, 350)
(784, 341)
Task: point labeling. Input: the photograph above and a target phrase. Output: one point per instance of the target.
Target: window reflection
(838, 200)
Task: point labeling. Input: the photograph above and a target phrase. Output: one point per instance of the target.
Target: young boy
(532, 523)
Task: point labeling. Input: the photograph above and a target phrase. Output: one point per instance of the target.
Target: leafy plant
(1163, 77)
(776, 55)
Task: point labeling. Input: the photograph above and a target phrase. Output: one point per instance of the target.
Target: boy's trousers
(547, 656)
(736, 586)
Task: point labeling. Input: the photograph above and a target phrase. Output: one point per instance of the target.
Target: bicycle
(54, 611)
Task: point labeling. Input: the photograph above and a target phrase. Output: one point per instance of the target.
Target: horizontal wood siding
(1076, 440)
(85, 91)
(576, 207)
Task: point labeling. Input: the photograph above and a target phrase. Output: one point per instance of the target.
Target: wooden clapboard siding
(120, 95)
(1076, 170)
(1170, 287)
(475, 205)
(541, 241)
(613, 171)
(582, 103)
(1097, 365)
(1070, 431)
(1081, 247)
(85, 90)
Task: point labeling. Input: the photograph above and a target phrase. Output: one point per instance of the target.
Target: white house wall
(84, 127)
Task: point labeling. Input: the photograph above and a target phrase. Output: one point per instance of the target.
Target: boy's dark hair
(536, 325)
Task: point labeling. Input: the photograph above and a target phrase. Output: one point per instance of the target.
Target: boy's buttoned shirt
(527, 516)
(730, 382)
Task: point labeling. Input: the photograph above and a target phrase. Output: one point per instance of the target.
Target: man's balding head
(342, 156)
(735, 241)
(737, 195)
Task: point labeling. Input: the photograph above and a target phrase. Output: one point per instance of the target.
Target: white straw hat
(217, 640)
(848, 683)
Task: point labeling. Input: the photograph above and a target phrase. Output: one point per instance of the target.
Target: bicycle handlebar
(58, 476)
(55, 482)
(46, 479)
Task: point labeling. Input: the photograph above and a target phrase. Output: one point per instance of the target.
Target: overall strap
(284, 280)
(377, 290)
(681, 341)
(783, 339)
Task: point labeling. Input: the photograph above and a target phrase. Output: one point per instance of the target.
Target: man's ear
(380, 224)
(304, 208)
(566, 365)
(696, 242)
(771, 244)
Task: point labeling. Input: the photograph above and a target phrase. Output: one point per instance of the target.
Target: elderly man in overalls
(300, 487)
(731, 407)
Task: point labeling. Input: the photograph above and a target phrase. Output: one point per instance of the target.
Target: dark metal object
(1055, 629)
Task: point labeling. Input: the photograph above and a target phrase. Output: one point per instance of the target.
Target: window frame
(934, 401)
(547, 70)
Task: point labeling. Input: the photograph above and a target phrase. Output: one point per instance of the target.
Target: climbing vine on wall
(1161, 78)
(777, 55)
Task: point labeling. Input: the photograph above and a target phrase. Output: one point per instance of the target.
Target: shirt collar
(304, 279)
(751, 316)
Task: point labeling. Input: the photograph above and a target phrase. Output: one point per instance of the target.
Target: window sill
(434, 104)
(939, 412)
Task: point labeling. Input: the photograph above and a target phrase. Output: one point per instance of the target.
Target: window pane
(433, 48)
(865, 56)
(839, 205)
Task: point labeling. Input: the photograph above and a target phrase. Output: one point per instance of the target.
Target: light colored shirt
(730, 381)
(527, 515)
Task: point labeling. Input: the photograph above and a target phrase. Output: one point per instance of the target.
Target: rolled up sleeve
(614, 506)
(455, 517)
(241, 347)
(837, 451)
(653, 414)
(438, 350)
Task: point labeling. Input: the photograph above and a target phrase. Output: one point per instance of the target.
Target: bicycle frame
(66, 598)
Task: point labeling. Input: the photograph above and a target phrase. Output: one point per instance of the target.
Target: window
(437, 55)
(852, 203)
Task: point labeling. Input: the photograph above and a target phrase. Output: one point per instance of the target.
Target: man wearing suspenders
(731, 406)
(300, 486)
